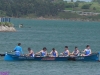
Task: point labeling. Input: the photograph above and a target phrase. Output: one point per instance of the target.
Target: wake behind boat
(92, 57)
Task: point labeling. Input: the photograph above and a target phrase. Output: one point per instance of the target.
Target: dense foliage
(17, 8)
(86, 6)
(48, 8)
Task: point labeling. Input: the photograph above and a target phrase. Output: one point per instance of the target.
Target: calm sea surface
(51, 33)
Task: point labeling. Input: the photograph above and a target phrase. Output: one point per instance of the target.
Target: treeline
(18, 8)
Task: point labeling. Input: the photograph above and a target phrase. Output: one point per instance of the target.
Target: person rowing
(66, 52)
(31, 53)
(75, 52)
(18, 50)
(43, 52)
(54, 53)
(87, 51)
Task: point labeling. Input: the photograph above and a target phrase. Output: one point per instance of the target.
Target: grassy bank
(66, 15)
(6, 24)
(94, 7)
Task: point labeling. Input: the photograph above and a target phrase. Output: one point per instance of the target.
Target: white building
(4, 19)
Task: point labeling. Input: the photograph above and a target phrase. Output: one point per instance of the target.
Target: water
(51, 33)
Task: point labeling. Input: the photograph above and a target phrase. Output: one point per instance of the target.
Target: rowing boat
(92, 57)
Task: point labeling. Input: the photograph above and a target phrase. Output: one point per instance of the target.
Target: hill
(53, 9)
(94, 6)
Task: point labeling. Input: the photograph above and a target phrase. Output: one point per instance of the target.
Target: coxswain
(18, 50)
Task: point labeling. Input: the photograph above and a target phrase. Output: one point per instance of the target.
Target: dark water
(51, 33)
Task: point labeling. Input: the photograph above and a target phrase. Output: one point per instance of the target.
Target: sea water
(51, 34)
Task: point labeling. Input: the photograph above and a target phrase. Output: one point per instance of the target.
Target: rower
(43, 52)
(87, 51)
(18, 50)
(54, 53)
(31, 53)
(75, 52)
(66, 52)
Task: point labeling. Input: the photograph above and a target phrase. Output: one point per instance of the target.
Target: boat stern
(8, 57)
(99, 56)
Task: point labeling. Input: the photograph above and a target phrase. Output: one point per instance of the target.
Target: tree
(17, 8)
(76, 4)
(94, 8)
(69, 5)
(86, 6)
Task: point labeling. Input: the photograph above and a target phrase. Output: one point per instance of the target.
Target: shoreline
(71, 19)
(7, 27)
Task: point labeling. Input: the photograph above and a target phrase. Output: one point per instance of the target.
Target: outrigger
(92, 57)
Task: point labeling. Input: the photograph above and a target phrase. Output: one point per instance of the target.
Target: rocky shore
(7, 27)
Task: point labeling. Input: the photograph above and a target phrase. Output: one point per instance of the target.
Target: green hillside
(52, 9)
(94, 7)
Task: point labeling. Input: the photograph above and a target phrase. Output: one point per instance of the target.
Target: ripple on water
(51, 33)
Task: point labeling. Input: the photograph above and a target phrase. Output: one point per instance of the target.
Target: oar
(6, 52)
(2, 54)
(81, 52)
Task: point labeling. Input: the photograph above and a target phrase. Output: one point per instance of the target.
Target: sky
(80, 0)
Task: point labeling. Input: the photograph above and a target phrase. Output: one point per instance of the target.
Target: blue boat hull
(92, 57)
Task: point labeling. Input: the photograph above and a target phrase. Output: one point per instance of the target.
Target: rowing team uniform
(18, 50)
(87, 52)
(32, 55)
(65, 53)
(54, 53)
(76, 52)
(43, 53)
